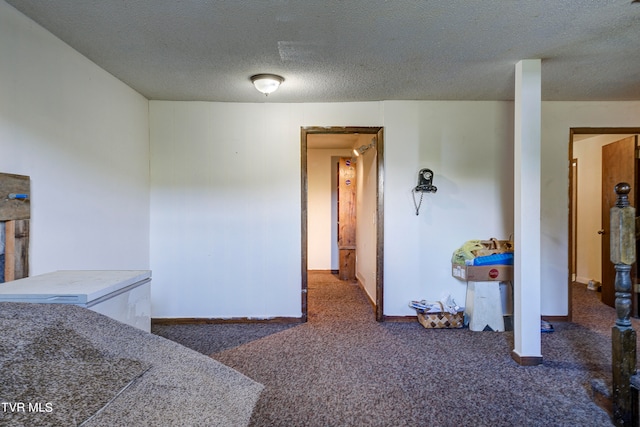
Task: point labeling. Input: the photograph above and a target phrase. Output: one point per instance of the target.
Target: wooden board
(347, 261)
(347, 219)
(347, 204)
(11, 209)
(21, 245)
(16, 250)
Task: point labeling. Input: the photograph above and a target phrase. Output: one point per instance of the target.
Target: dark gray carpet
(52, 375)
(97, 372)
(202, 337)
(344, 369)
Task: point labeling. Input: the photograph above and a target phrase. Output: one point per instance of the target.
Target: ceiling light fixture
(266, 83)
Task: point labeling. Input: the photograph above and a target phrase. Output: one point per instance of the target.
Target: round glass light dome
(266, 83)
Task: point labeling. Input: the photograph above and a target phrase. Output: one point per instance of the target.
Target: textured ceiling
(354, 50)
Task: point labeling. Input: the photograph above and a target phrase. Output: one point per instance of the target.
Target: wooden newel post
(623, 337)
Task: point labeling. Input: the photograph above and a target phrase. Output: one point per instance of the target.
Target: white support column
(527, 125)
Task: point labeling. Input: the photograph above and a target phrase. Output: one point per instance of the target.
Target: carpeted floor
(63, 365)
(344, 369)
(42, 368)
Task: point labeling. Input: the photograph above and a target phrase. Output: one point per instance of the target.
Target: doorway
(307, 133)
(590, 189)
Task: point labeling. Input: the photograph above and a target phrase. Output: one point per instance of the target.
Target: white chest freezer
(124, 295)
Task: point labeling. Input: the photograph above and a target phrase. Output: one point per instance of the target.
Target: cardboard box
(482, 273)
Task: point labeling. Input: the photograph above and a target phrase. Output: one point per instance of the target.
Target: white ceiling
(333, 141)
(354, 50)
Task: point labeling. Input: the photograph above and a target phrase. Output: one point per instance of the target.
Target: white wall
(589, 218)
(557, 119)
(322, 230)
(82, 137)
(223, 245)
(469, 147)
(225, 204)
(366, 204)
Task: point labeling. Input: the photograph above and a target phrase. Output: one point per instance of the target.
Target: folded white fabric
(447, 304)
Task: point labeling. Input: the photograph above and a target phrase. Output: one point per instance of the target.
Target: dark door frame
(378, 131)
(585, 131)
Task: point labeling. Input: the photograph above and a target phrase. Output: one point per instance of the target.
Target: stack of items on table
(487, 267)
(483, 260)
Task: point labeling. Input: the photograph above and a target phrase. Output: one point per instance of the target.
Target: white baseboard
(583, 280)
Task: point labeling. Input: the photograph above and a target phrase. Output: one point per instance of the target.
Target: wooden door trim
(583, 131)
(304, 186)
(573, 265)
(373, 130)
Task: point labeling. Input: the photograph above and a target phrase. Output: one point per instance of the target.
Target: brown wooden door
(618, 165)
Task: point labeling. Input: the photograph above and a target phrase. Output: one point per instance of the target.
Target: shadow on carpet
(54, 376)
(213, 338)
(64, 365)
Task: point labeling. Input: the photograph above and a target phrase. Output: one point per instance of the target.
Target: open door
(618, 165)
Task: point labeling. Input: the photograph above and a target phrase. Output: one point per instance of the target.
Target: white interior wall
(321, 210)
(469, 147)
(82, 137)
(366, 220)
(467, 144)
(230, 173)
(589, 218)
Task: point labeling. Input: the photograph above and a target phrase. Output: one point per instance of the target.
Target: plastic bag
(447, 305)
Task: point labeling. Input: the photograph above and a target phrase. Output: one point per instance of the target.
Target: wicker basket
(441, 320)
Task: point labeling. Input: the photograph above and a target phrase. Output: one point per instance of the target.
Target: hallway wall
(322, 207)
(366, 229)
